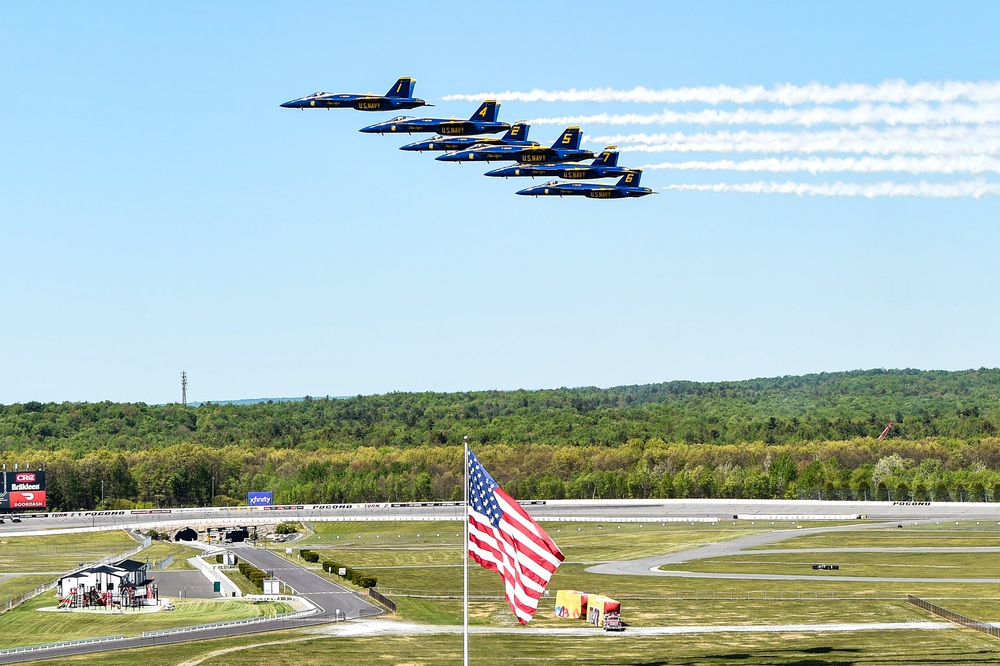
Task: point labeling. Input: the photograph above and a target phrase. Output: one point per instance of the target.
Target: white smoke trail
(863, 114)
(786, 94)
(963, 189)
(946, 140)
(816, 165)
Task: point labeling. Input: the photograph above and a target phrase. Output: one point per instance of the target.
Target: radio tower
(184, 388)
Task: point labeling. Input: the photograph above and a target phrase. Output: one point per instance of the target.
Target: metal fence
(61, 644)
(382, 599)
(952, 616)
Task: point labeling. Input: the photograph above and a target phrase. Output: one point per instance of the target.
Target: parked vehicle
(613, 622)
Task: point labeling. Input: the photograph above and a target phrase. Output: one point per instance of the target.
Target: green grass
(60, 553)
(419, 565)
(16, 585)
(955, 647)
(26, 625)
(242, 582)
(161, 550)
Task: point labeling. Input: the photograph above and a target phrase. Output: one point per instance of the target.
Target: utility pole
(184, 388)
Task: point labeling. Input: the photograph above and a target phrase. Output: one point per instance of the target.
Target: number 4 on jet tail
(483, 121)
(400, 96)
(625, 188)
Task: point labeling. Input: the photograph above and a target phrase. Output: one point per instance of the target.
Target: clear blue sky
(159, 212)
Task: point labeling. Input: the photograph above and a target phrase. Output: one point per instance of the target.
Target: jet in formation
(400, 96)
(483, 121)
(517, 135)
(605, 166)
(565, 149)
(625, 188)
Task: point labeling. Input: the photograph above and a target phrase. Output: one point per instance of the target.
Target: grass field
(26, 625)
(60, 553)
(419, 565)
(161, 550)
(955, 647)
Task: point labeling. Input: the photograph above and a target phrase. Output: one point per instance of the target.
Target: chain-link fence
(952, 616)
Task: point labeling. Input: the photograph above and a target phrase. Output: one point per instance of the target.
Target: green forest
(812, 436)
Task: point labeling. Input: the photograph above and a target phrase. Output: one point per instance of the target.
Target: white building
(124, 583)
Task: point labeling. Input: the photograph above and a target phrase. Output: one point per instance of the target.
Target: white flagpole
(465, 566)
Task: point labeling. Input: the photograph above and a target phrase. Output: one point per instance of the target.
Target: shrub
(286, 528)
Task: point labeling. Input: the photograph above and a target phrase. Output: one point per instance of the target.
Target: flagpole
(465, 565)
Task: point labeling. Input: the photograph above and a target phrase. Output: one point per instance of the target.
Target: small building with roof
(125, 583)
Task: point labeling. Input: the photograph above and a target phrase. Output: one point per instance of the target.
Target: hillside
(808, 436)
(822, 407)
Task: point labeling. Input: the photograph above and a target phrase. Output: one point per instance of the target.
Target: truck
(613, 622)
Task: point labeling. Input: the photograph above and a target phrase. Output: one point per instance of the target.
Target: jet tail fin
(517, 132)
(630, 179)
(402, 88)
(570, 138)
(608, 157)
(487, 111)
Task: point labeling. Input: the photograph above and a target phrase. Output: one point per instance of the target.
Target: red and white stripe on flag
(504, 538)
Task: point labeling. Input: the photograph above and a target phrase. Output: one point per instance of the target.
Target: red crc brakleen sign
(25, 481)
(22, 500)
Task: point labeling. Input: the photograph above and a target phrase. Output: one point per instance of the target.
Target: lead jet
(565, 149)
(625, 188)
(400, 96)
(517, 135)
(483, 121)
(605, 166)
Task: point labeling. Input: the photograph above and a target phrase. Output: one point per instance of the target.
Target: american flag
(504, 538)
(885, 432)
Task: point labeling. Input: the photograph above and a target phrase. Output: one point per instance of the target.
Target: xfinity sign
(260, 499)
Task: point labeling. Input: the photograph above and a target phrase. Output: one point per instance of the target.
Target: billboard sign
(22, 490)
(27, 500)
(260, 499)
(25, 481)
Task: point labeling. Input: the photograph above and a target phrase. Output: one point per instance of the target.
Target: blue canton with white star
(481, 487)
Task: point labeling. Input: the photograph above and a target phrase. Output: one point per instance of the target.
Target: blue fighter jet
(605, 166)
(517, 135)
(483, 121)
(400, 96)
(565, 149)
(625, 188)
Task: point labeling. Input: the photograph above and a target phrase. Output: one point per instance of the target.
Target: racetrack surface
(650, 566)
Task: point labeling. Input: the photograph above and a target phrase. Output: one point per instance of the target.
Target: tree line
(826, 406)
(195, 475)
(809, 436)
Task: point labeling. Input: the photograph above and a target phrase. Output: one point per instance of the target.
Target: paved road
(317, 589)
(550, 510)
(650, 566)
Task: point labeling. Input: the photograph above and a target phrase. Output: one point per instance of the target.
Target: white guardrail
(176, 630)
(61, 644)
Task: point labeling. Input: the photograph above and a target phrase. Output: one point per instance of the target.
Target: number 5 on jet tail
(400, 96)
(565, 149)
